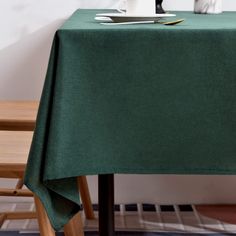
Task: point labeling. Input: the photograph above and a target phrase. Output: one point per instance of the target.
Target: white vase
(138, 7)
(208, 6)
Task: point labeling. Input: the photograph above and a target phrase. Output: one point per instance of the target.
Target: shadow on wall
(23, 64)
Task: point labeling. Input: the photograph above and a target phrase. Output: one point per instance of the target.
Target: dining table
(133, 99)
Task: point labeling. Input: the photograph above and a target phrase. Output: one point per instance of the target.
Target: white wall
(27, 28)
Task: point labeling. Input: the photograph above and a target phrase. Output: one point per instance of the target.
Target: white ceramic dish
(116, 14)
(123, 17)
(127, 23)
(103, 19)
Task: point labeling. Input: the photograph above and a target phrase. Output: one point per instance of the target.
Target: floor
(136, 217)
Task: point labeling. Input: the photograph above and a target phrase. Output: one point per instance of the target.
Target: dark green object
(134, 99)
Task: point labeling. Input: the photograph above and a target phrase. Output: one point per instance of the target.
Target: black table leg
(106, 205)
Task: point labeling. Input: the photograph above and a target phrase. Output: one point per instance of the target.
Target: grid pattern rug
(117, 234)
(132, 219)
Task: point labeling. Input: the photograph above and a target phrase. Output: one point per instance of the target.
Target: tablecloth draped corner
(61, 200)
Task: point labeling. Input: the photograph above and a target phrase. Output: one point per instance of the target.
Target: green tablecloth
(134, 99)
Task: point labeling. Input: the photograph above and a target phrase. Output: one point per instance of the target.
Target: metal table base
(106, 205)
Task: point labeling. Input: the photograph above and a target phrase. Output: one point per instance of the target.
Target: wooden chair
(21, 116)
(14, 148)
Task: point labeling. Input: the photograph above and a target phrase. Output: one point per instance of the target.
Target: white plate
(103, 18)
(108, 21)
(123, 17)
(126, 15)
(127, 23)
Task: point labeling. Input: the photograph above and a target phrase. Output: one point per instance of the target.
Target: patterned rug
(141, 220)
(13, 233)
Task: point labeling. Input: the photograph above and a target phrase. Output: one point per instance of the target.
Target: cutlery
(175, 22)
(144, 22)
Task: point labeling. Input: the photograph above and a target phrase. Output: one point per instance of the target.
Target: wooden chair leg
(85, 197)
(2, 219)
(74, 227)
(43, 221)
(20, 184)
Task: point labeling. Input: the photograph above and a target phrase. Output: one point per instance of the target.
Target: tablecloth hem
(156, 171)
